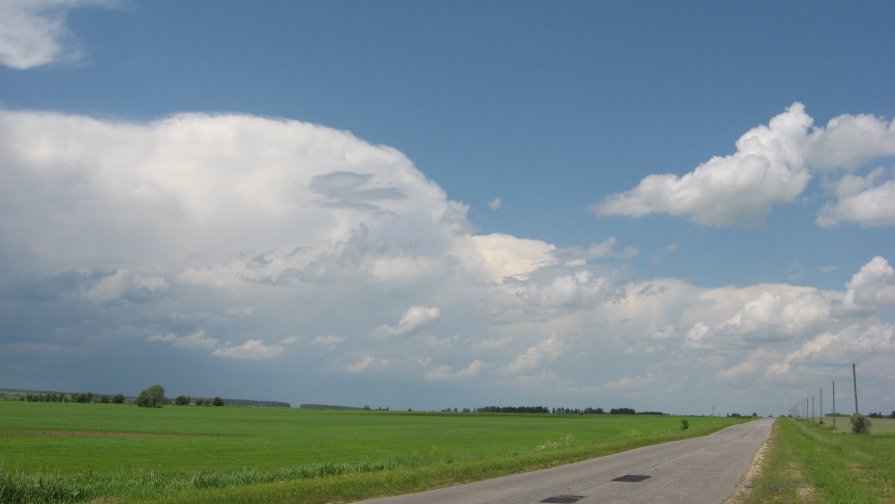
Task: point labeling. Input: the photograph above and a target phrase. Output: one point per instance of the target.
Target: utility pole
(812, 407)
(821, 405)
(854, 377)
(834, 403)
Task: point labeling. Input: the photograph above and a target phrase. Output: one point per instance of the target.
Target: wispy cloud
(197, 340)
(34, 32)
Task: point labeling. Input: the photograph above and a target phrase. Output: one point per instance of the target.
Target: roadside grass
(52, 452)
(813, 463)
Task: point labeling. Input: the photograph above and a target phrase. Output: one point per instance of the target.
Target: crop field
(879, 426)
(52, 452)
(808, 462)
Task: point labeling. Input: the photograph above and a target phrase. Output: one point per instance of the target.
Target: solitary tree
(151, 397)
(218, 401)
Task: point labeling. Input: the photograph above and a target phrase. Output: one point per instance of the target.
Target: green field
(121, 453)
(808, 462)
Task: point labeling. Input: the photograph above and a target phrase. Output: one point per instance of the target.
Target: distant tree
(685, 424)
(151, 397)
(182, 400)
(217, 401)
(118, 399)
(104, 399)
(199, 402)
(88, 397)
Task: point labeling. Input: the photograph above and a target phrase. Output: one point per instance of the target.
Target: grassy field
(121, 453)
(815, 463)
(879, 426)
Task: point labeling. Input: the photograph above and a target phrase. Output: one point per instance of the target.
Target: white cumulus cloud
(251, 349)
(772, 165)
(414, 318)
(861, 200)
(532, 358)
(505, 257)
(872, 286)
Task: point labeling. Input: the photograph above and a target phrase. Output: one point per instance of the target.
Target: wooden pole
(834, 403)
(854, 377)
(821, 405)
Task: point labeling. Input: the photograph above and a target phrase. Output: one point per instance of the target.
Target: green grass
(52, 452)
(808, 462)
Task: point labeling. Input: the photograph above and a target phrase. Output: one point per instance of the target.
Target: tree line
(561, 411)
(79, 397)
(152, 397)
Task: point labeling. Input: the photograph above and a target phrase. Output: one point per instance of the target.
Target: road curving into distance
(691, 471)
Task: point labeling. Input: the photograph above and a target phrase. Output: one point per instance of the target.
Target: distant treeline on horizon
(505, 409)
(564, 411)
(90, 397)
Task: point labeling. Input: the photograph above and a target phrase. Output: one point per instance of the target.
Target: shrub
(217, 401)
(860, 424)
(118, 399)
(685, 425)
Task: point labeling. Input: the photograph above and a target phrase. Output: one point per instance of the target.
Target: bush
(685, 425)
(217, 401)
(118, 399)
(860, 424)
(151, 397)
(182, 400)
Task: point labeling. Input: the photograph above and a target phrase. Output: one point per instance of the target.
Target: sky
(683, 207)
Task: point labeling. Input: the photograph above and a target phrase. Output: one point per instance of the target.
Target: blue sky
(449, 204)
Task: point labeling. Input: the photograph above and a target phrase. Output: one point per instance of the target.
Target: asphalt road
(692, 471)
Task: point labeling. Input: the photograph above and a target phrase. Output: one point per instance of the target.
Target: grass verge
(812, 463)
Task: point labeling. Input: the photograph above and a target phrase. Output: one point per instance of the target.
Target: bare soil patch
(745, 486)
(100, 434)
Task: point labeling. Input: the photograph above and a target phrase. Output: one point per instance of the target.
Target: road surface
(691, 471)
